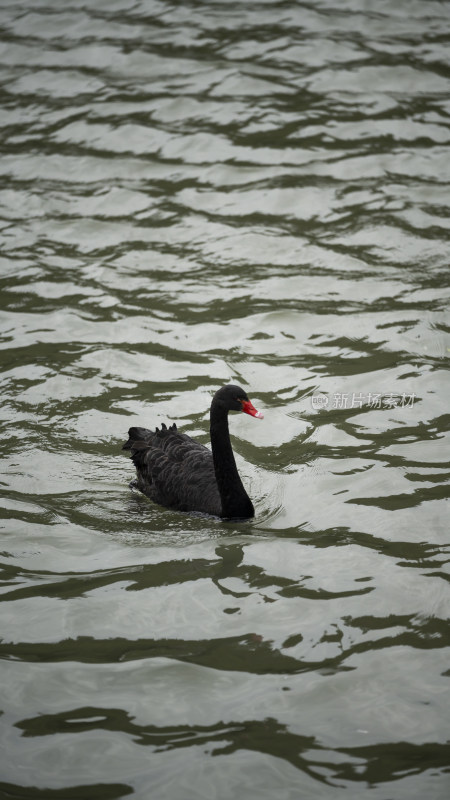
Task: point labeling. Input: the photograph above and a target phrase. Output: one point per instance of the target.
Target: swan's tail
(136, 435)
(139, 438)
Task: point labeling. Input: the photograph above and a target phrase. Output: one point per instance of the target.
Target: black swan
(179, 472)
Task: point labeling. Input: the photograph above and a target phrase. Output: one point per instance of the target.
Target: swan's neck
(235, 500)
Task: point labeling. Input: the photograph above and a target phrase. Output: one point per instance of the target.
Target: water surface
(195, 194)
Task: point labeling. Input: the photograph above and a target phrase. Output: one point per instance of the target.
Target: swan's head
(233, 398)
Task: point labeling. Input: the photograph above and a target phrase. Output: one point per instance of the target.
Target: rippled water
(193, 194)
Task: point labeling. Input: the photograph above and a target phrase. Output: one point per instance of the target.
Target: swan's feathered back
(174, 470)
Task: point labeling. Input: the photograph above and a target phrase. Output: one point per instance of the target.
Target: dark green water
(194, 194)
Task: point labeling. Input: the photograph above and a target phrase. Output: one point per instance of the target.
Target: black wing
(174, 469)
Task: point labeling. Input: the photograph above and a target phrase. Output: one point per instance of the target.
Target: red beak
(249, 408)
